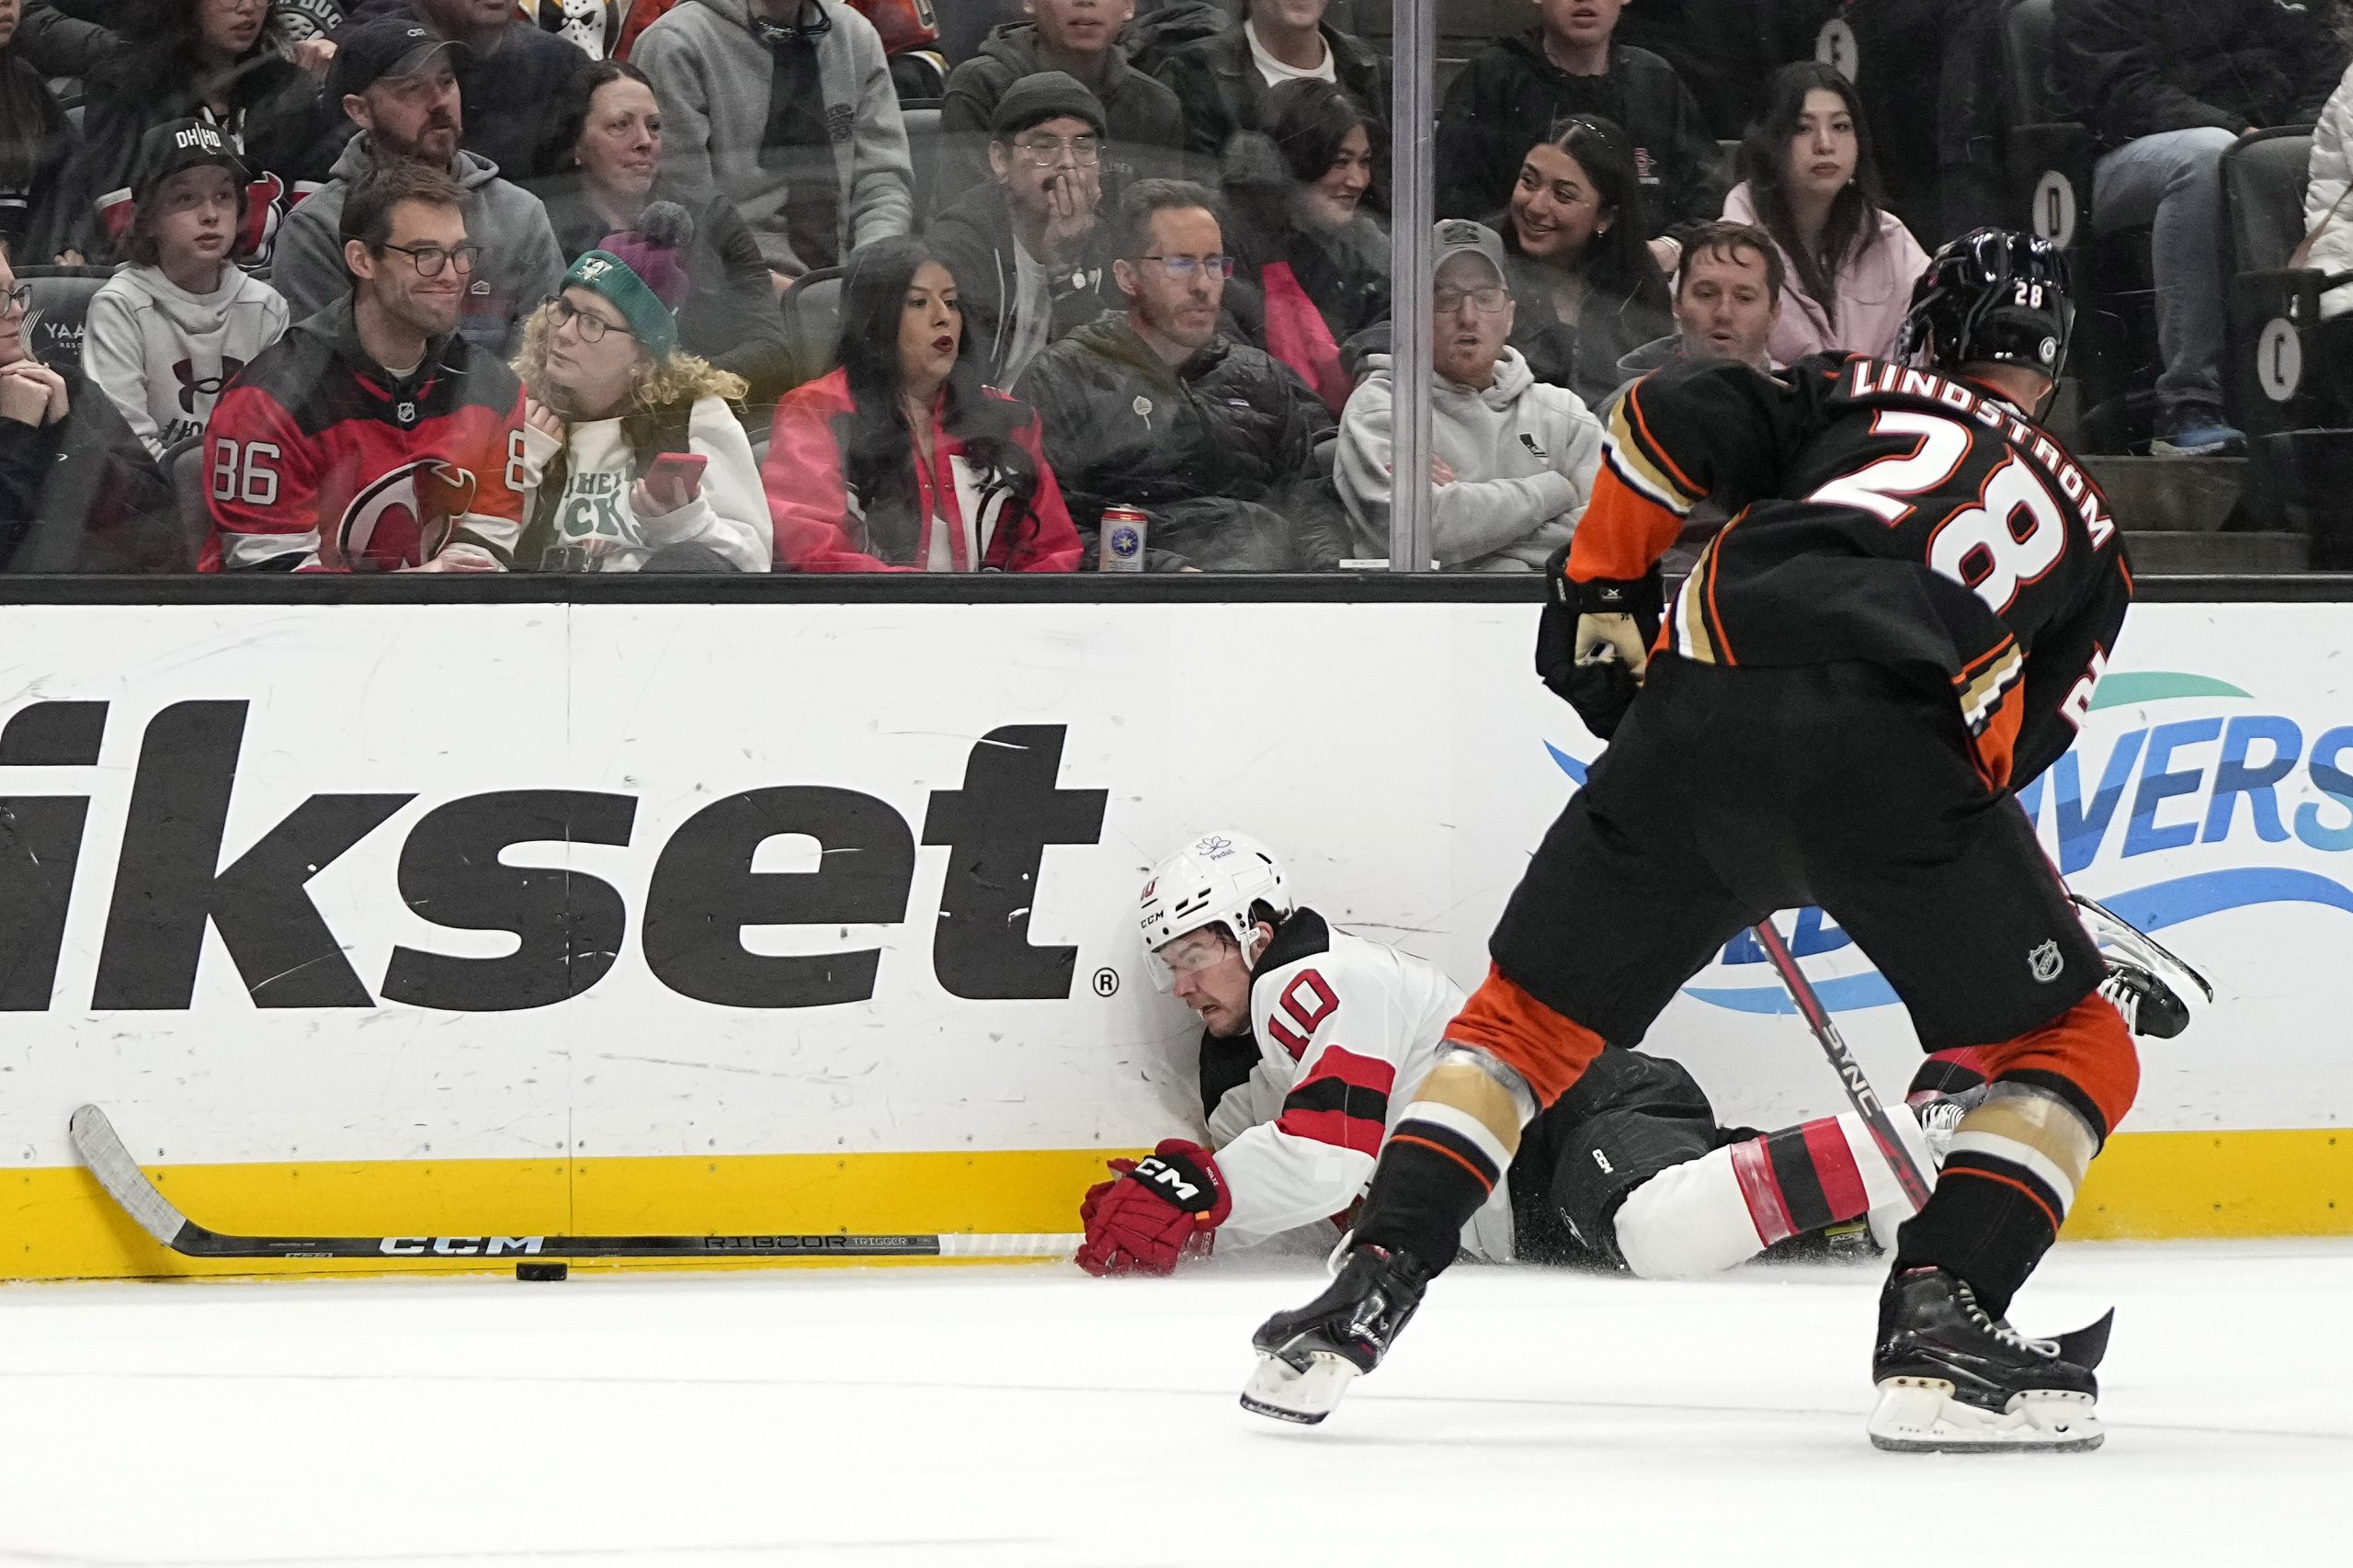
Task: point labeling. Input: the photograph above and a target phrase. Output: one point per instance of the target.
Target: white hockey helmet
(1213, 880)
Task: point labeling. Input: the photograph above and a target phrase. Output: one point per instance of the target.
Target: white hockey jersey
(1346, 1030)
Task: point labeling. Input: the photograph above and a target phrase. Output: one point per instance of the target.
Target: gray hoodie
(520, 264)
(1523, 453)
(713, 75)
(165, 355)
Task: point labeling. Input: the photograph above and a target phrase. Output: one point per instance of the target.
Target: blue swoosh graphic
(1569, 765)
(2151, 908)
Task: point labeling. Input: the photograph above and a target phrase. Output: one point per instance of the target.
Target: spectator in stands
(72, 39)
(600, 29)
(2329, 218)
(36, 140)
(373, 437)
(1517, 92)
(1727, 301)
(1309, 259)
(901, 459)
(1725, 49)
(1513, 459)
(77, 491)
(1143, 126)
(2165, 89)
(1588, 290)
(787, 110)
(609, 392)
(165, 334)
(395, 82)
(509, 72)
(1153, 407)
(1222, 80)
(215, 62)
(1807, 179)
(1027, 248)
(603, 151)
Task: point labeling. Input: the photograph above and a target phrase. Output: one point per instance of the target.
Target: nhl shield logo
(2045, 962)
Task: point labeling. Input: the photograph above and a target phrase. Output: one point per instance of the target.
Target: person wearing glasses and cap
(397, 81)
(1513, 459)
(373, 437)
(1027, 248)
(1154, 406)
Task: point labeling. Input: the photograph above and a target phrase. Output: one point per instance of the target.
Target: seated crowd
(447, 285)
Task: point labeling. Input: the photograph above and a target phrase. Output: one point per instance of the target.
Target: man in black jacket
(2167, 88)
(78, 493)
(1215, 440)
(1221, 81)
(1026, 248)
(1510, 96)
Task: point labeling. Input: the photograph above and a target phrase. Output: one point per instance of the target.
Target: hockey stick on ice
(101, 1149)
(1860, 1092)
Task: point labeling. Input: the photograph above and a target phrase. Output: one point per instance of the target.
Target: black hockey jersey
(1879, 513)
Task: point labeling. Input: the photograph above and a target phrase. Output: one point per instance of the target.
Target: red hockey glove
(1142, 1220)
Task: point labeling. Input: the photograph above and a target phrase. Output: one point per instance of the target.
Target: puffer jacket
(2328, 197)
(1204, 448)
(1523, 453)
(2140, 67)
(1143, 118)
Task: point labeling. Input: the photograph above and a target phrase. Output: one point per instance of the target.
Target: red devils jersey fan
(372, 438)
(1903, 621)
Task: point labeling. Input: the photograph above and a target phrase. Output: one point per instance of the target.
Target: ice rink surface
(1034, 1418)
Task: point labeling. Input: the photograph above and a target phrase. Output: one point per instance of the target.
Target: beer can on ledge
(1121, 546)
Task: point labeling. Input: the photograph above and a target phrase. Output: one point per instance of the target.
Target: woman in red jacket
(901, 459)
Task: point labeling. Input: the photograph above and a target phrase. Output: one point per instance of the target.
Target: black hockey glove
(1600, 693)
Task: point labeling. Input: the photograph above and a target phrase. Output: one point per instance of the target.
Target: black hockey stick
(1860, 1092)
(101, 1149)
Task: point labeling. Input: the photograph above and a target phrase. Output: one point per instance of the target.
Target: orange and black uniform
(1902, 622)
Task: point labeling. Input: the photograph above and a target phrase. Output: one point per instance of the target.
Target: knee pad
(2085, 1058)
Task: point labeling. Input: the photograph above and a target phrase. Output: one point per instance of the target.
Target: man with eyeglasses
(786, 109)
(1027, 248)
(1512, 458)
(1154, 407)
(1143, 123)
(373, 437)
(78, 491)
(395, 80)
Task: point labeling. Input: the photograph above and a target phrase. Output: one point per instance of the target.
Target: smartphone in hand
(675, 479)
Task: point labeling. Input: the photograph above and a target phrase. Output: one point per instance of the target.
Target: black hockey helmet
(1992, 295)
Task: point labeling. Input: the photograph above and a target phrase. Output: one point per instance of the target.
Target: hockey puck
(543, 1271)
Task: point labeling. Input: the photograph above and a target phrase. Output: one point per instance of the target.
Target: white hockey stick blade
(1919, 1416)
(96, 1141)
(1281, 1391)
(2109, 929)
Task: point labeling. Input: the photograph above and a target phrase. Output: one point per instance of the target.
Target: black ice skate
(1953, 1378)
(2150, 1007)
(1307, 1358)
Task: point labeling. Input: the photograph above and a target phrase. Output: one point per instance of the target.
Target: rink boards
(607, 917)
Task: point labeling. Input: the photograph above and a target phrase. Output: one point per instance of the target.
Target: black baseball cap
(177, 144)
(386, 47)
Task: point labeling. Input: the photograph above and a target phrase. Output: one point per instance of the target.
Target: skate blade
(1302, 1395)
(1919, 1416)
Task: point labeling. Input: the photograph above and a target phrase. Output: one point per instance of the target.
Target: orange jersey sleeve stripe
(1623, 534)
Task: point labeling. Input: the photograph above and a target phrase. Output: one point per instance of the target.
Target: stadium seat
(183, 464)
(813, 322)
(60, 303)
(2267, 341)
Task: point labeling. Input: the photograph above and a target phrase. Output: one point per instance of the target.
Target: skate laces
(1940, 1119)
(2120, 989)
(1999, 1328)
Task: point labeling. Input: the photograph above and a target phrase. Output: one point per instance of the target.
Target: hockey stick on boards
(1860, 1092)
(101, 1149)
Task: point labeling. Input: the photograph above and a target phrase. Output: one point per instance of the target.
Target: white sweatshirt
(1523, 453)
(731, 516)
(163, 355)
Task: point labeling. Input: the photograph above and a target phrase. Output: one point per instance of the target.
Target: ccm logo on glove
(1152, 1212)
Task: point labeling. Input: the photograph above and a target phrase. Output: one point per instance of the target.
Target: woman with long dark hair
(1808, 178)
(35, 139)
(1314, 261)
(1586, 284)
(901, 459)
(216, 60)
(603, 143)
